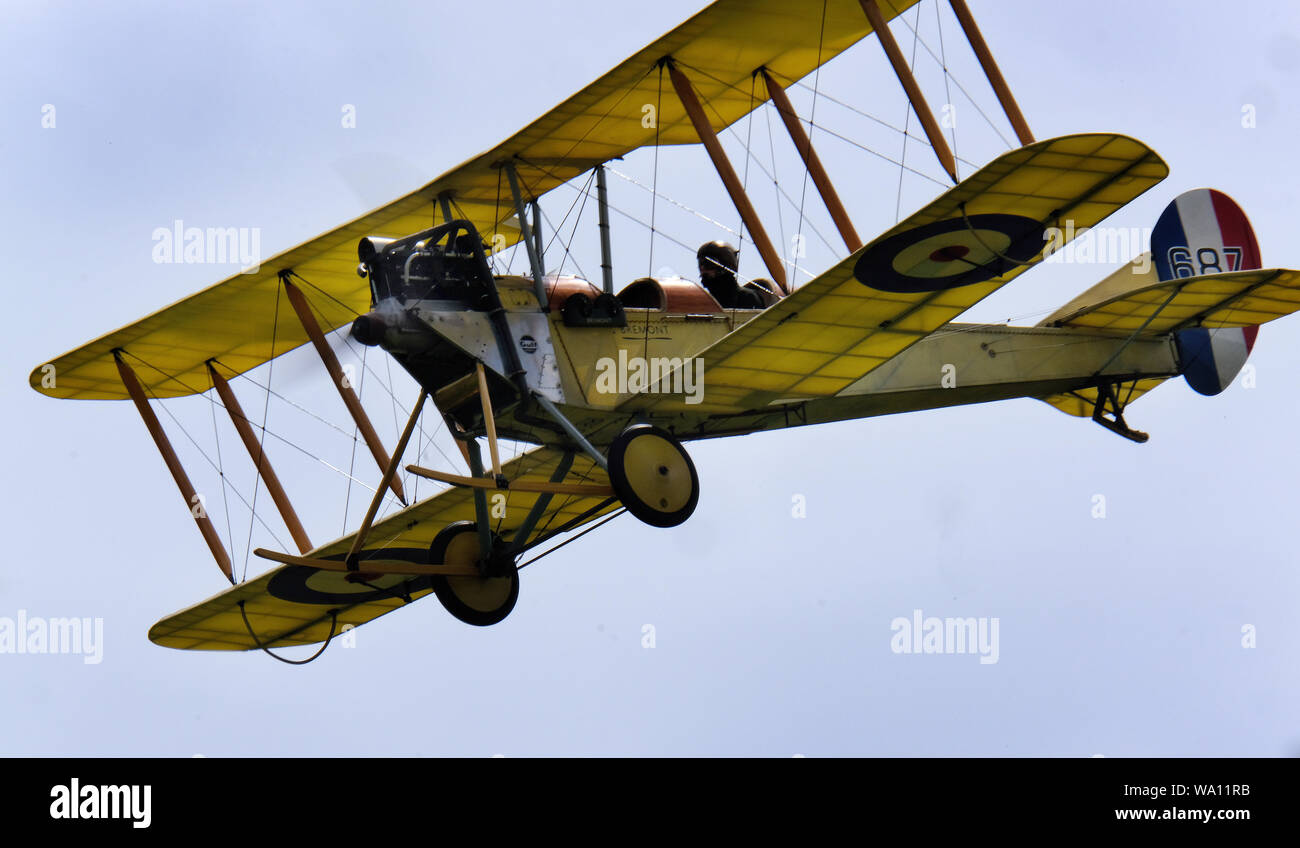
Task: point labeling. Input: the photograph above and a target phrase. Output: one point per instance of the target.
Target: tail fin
(1205, 239)
(1205, 232)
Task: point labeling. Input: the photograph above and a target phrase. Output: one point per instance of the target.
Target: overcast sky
(1120, 635)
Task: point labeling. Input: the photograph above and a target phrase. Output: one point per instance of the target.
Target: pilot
(718, 264)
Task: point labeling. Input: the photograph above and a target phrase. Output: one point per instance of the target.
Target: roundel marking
(1201, 232)
(951, 253)
(302, 584)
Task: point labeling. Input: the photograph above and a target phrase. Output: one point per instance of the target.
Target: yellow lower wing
(921, 274)
(297, 605)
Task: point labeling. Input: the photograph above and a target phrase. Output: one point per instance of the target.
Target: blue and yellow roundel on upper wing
(951, 253)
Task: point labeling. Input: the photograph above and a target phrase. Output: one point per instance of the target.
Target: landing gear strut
(1116, 424)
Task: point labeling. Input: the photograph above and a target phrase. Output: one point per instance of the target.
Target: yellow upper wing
(234, 321)
(292, 605)
(921, 274)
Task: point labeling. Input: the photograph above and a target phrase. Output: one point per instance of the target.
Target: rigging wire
(683, 245)
(960, 87)
(914, 137)
(650, 272)
(265, 432)
(261, 453)
(387, 387)
(947, 91)
(820, 127)
(744, 182)
(221, 471)
(817, 77)
(583, 193)
(352, 463)
(776, 185)
(595, 526)
(676, 203)
(731, 131)
(208, 459)
(907, 123)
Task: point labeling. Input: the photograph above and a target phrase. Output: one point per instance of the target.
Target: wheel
(480, 601)
(653, 476)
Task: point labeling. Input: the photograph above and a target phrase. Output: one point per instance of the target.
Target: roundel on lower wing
(952, 253)
(302, 584)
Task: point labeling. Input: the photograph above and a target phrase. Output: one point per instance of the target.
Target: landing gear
(653, 476)
(480, 601)
(1107, 394)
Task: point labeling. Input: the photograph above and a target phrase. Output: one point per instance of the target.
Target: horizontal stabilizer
(1236, 299)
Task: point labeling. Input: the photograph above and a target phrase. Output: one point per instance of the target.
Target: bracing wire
(907, 123)
(817, 76)
(654, 196)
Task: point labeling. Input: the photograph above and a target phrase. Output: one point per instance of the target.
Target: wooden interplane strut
(814, 164)
(919, 105)
(991, 70)
(390, 474)
(192, 500)
(691, 102)
(350, 399)
(257, 450)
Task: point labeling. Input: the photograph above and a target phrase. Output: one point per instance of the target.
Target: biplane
(610, 383)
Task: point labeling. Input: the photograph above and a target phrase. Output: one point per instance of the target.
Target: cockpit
(449, 263)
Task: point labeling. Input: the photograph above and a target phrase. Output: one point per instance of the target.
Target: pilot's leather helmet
(716, 253)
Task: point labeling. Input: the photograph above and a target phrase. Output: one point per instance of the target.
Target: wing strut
(192, 500)
(530, 244)
(910, 85)
(991, 70)
(691, 102)
(350, 399)
(814, 164)
(257, 451)
(390, 474)
(606, 263)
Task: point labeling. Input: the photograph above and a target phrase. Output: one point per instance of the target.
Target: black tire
(480, 601)
(653, 476)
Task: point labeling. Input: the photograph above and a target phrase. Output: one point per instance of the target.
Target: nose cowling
(369, 329)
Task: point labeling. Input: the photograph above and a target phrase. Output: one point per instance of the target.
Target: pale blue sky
(1119, 636)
